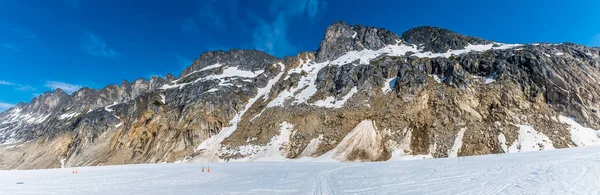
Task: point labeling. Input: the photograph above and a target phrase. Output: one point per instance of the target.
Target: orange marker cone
(76, 172)
(208, 170)
(72, 171)
(203, 169)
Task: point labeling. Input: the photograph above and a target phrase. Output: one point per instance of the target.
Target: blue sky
(74, 43)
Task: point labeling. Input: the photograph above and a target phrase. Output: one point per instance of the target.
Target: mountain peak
(439, 40)
(341, 38)
(243, 59)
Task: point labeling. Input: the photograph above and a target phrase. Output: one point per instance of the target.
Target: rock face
(439, 40)
(341, 38)
(366, 94)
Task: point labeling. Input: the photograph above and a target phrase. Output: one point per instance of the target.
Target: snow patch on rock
(222, 78)
(453, 152)
(363, 137)
(530, 140)
(581, 136)
(312, 147)
(67, 116)
(108, 108)
(332, 102)
(210, 147)
(502, 140)
(437, 78)
(389, 85)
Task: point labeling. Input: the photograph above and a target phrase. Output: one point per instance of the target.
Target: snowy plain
(564, 171)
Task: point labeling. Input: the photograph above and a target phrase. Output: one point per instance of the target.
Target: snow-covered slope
(567, 171)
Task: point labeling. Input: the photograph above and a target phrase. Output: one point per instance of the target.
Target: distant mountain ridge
(366, 94)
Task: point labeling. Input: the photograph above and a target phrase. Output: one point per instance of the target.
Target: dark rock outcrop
(439, 40)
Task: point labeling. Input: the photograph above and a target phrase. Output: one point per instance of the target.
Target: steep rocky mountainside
(366, 94)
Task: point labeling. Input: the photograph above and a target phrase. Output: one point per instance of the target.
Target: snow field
(565, 171)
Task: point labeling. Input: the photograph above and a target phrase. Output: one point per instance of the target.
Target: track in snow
(567, 171)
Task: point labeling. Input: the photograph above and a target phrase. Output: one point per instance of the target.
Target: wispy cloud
(12, 47)
(207, 14)
(69, 88)
(183, 61)
(25, 88)
(17, 86)
(189, 26)
(25, 33)
(94, 45)
(5, 106)
(272, 36)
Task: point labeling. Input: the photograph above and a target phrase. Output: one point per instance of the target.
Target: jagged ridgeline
(366, 94)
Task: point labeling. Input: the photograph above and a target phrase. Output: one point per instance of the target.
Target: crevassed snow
(67, 116)
(211, 145)
(332, 102)
(581, 136)
(457, 143)
(565, 171)
(389, 85)
(530, 140)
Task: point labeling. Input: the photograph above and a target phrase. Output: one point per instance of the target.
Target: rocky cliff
(366, 94)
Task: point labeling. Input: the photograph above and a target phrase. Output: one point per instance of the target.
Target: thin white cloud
(189, 26)
(17, 86)
(206, 13)
(94, 45)
(25, 88)
(69, 88)
(25, 32)
(272, 36)
(5, 106)
(12, 47)
(183, 61)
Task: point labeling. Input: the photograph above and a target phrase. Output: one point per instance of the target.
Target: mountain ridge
(233, 105)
